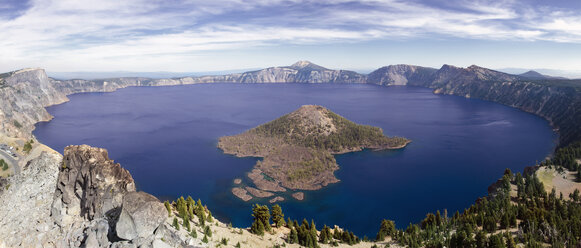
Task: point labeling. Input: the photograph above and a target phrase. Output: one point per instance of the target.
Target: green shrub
(3, 164)
(17, 124)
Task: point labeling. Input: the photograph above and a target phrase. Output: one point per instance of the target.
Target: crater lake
(167, 136)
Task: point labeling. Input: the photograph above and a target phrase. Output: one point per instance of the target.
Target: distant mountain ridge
(536, 75)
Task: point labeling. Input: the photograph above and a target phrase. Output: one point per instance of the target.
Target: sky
(219, 35)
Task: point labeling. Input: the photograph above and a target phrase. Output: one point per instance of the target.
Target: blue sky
(192, 35)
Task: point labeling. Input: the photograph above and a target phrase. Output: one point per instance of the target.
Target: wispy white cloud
(100, 31)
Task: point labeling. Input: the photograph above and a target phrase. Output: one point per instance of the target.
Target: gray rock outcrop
(95, 204)
(25, 204)
(90, 184)
(24, 94)
(141, 215)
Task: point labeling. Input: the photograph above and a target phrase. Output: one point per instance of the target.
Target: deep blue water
(166, 137)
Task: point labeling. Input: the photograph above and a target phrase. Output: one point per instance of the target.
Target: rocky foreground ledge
(93, 203)
(84, 199)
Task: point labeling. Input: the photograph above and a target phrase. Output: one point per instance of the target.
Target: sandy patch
(564, 182)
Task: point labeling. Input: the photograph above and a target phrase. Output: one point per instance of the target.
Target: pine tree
(207, 231)
(480, 240)
(205, 239)
(305, 224)
(438, 218)
(199, 210)
(575, 195)
(168, 207)
(346, 237)
(323, 238)
(182, 208)
(175, 223)
(293, 236)
(191, 204)
(257, 228)
(187, 223)
(387, 228)
(202, 219)
(336, 233)
(261, 214)
(510, 241)
(277, 216)
(210, 219)
(489, 224)
(194, 234)
(495, 241)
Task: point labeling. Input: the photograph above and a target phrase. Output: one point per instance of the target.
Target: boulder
(123, 244)
(158, 243)
(141, 215)
(170, 236)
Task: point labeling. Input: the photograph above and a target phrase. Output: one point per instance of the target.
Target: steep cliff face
(401, 75)
(24, 94)
(558, 101)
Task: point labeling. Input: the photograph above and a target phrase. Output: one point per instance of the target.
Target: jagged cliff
(400, 75)
(24, 94)
(558, 101)
(83, 199)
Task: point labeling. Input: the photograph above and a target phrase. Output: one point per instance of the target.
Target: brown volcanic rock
(290, 163)
(259, 193)
(258, 178)
(299, 196)
(90, 184)
(276, 199)
(241, 193)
